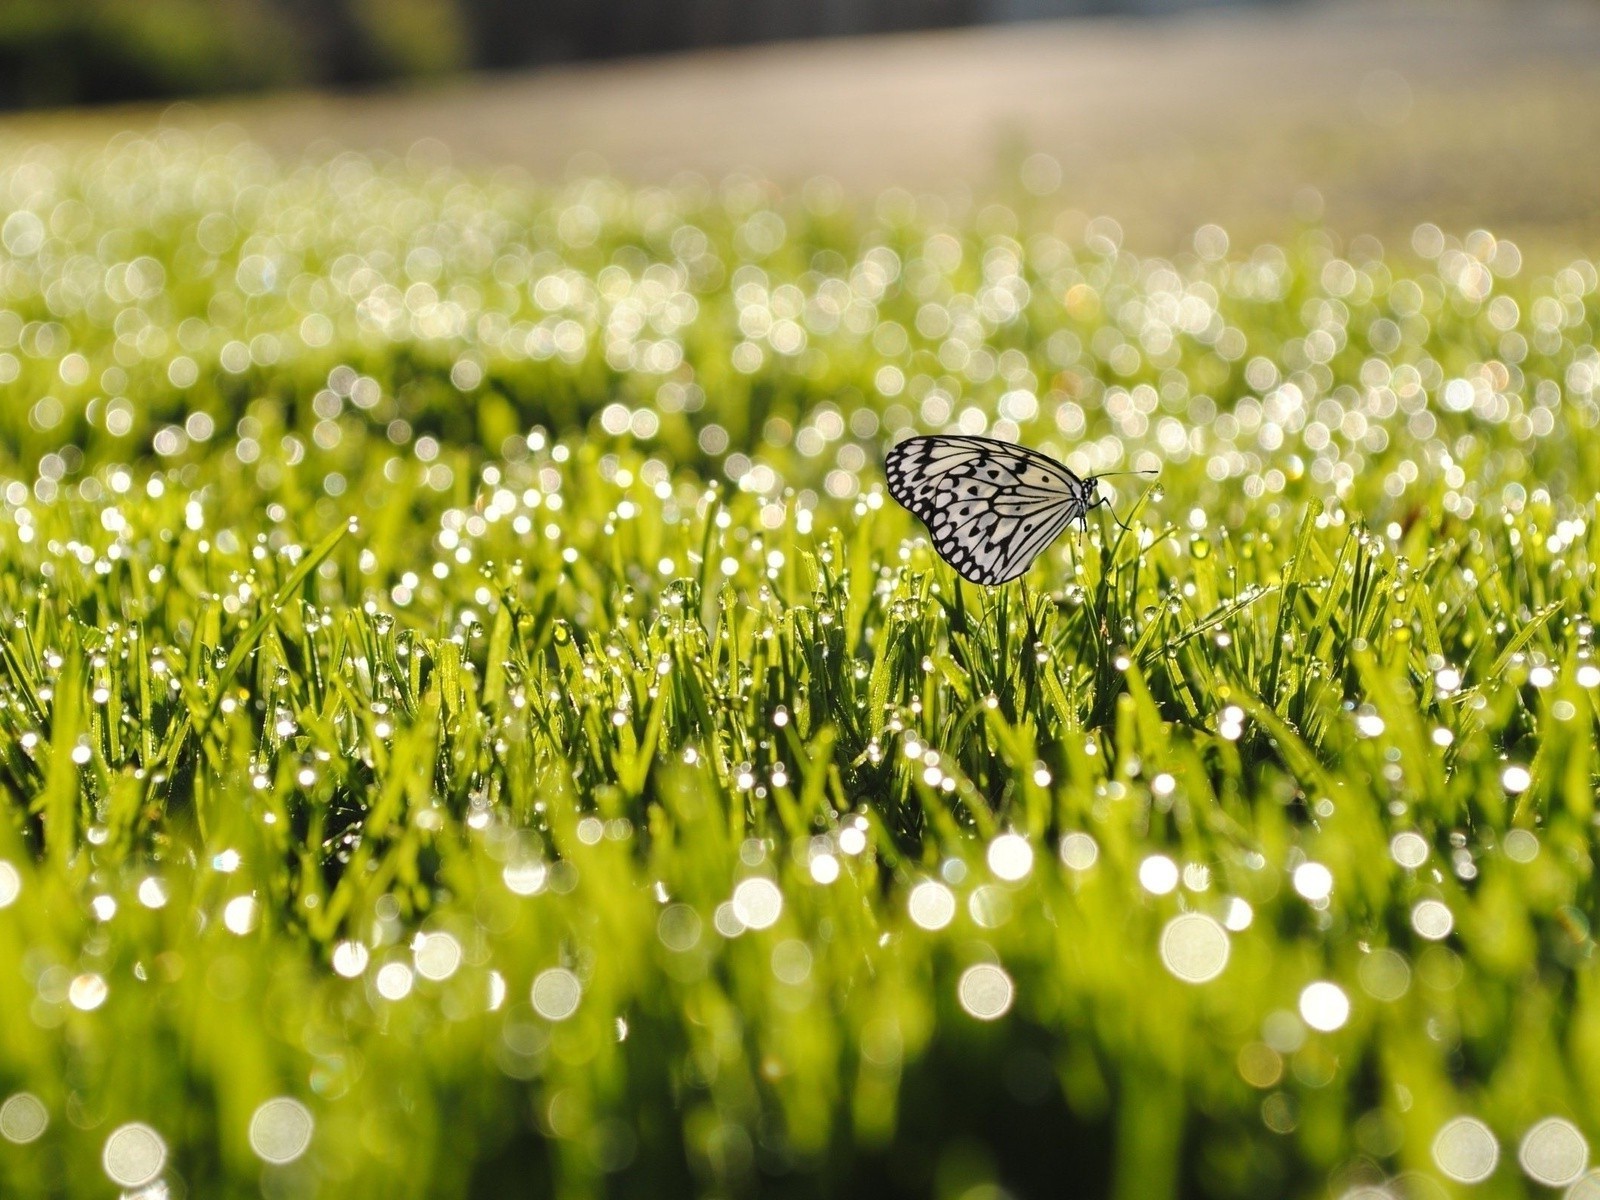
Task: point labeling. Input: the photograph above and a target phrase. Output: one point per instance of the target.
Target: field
(472, 720)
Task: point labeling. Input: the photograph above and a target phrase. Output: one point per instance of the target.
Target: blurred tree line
(55, 52)
(96, 51)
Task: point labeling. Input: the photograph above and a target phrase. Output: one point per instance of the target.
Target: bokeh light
(986, 992)
(1465, 1150)
(1194, 947)
(134, 1155)
(280, 1130)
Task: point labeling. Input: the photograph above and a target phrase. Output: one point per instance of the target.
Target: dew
(525, 878)
(437, 955)
(87, 992)
(556, 993)
(757, 902)
(350, 959)
(726, 921)
(1465, 1150)
(1237, 914)
(134, 1155)
(23, 1118)
(1516, 779)
(678, 927)
(1260, 1065)
(394, 981)
(152, 891)
(1384, 975)
(1079, 851)
(1158, 874)
(1010, 857)
(1553, 1152)
(990, 906)
(1313, 881)
(791, 961)
(1196, 877)
(1410, 850)
(240, 914)
(1522, 845)
(10, 884)
(1324, 1006)
(986, 991)
(1194, 947)
(852, 840)
(280, 1130)
(824, 868)
(1432, 919)
(932, 905)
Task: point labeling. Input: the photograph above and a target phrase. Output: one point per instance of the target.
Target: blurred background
(1263, 117)
(55, 52)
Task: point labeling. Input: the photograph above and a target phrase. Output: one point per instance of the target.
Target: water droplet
(280, 1130)
(1465, 1150)
(986, 991)
(134, 1155)
(1194, 948)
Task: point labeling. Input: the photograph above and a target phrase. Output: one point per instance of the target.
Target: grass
(463, 679)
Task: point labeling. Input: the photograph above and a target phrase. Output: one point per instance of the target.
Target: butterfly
(991, 506)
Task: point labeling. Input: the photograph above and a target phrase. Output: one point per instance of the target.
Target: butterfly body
(990, 506)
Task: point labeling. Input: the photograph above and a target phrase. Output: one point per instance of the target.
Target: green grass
(427, 599)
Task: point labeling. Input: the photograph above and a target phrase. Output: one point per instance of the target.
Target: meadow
(472, 720)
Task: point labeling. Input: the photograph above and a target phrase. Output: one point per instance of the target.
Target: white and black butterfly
(991, 506)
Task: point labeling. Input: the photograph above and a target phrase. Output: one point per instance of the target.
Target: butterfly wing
(991, 506)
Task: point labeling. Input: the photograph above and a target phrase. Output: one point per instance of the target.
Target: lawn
(472, 721)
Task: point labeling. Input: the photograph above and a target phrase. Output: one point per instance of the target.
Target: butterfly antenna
(1112, 474)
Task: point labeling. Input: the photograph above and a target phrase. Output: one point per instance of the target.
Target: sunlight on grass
(471, 714)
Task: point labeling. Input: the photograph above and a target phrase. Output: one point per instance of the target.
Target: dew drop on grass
(1384, 974)
(679, 927)
(932, 905)
(350, 959)
(556, 993)
(280, 1130)
(1158, 874)
(986, 992)
(1313, 881)
(1010, 857)
(134, 1155)
(1324, 1006)
(757, 902)
(1465, 1150)
(1079, 851)
(1432, 919)
(87, 992)
(394, 981)
(1409, 850)
(1194, 947)
(1521, 845)
(23, 1118)
(1553, 1152)
(436, 955)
